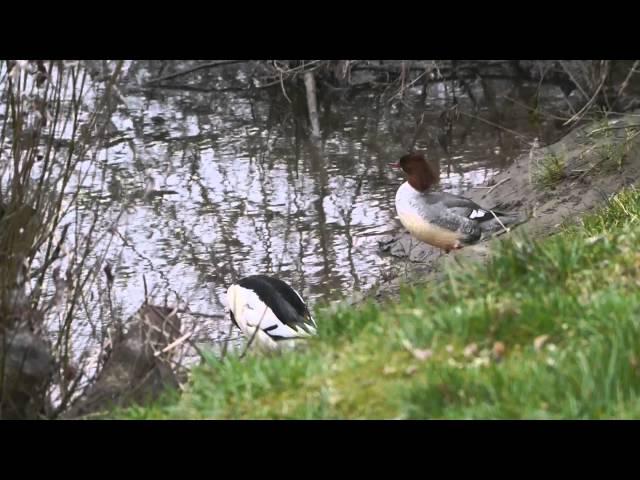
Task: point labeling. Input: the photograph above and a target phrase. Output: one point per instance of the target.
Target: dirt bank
(552, 185)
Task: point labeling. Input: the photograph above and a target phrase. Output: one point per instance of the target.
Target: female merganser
(442, 219)
(272, 307)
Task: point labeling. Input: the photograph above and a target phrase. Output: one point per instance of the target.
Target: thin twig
(146, 294)
(255, 332)
(284, 91)
(573, 79)
(199, 314)
(507, 230)
(498, 184)
(628, 77)
(512, 132)
(580, 113)
(612, 127)
(405, 87)
(174, 344)
(226, 344)
(531, 109)
(177, 330)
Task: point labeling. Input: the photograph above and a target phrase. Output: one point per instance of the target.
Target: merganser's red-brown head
(420, 174)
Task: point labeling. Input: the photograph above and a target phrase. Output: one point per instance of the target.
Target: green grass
(614, 153)
(549, 171)
(615, 144)
(415, 358)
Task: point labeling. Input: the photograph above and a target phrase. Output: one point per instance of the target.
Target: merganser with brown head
(442, 219)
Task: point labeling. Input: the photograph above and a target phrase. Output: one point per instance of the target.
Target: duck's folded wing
(469, 229)
(302, 316)
(464, 207)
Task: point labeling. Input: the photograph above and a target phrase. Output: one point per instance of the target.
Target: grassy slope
(416, 358)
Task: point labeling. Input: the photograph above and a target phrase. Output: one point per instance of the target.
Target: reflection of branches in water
(347, 214)
(231, 218)
(371, 137)
(190, 252)
(293, 182)
(255, 150)
(319, 168)
(164, 275)
(284, 254)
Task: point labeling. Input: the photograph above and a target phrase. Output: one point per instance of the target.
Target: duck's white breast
(415, 215)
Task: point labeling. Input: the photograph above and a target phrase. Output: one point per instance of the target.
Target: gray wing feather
(452, 201)
(456, 223)
(458, 205)
(463, 215)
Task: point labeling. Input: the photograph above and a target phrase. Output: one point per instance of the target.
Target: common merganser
(272, 307)
(441, 219)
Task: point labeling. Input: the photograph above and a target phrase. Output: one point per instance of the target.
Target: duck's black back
(280, 297)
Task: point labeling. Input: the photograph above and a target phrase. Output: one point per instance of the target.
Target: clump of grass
(622, 210)
(549, 171)
(614, 142)
(613, 152)
(545, 329)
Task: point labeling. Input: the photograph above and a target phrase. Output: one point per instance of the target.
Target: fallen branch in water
(484, 120)
(191, 88)
(531, 109)
(203, 66)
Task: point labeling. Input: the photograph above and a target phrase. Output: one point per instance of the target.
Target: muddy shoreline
(551, 185)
